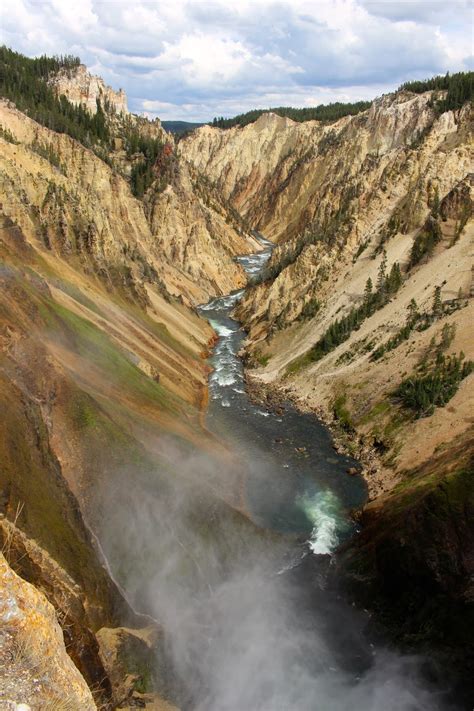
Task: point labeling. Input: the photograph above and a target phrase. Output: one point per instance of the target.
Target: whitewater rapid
(310, 492)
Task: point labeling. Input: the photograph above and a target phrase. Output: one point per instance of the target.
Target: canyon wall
(385, 195)
(103, 377)
(339, 199)
(289, 175)
(82, 207)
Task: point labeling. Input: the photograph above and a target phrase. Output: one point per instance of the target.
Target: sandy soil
(366, 384)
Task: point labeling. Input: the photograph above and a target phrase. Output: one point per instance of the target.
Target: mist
(248, 624)
(230, 555)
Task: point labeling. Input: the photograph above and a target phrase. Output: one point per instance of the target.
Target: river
(297, 482)
(249, 624)
(276, 639)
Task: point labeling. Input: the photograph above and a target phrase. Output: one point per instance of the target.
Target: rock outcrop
(75, 604)
(83, 88)
(35, 667)
(131, 657)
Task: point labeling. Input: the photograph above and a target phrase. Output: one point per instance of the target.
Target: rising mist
(247, 622)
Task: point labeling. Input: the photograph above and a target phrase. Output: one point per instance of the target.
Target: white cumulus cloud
(194, 59)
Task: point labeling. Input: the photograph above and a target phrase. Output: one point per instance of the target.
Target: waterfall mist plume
(246, 626)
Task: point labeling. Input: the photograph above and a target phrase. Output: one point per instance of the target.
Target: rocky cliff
(83, 88)
(363, 310)
(33, 658)
(102, 375)
(290, 175)
(189, 224)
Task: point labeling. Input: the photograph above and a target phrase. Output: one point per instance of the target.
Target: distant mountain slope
(458, 88)
(180, 126)
(327, 113)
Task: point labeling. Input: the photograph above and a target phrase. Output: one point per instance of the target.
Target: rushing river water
(297, 483)
(249, 624)
(276, 641)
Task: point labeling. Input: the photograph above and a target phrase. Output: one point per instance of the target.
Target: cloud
(195, 59)
(420, 11)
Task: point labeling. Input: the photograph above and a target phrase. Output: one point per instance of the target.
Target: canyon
(104, 377)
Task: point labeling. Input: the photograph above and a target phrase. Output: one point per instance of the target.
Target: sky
(196, 59)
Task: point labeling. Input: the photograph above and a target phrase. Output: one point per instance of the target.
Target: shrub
(310, 309)
(7, 135)
(341, 413)
(435, 388)
(47, 151)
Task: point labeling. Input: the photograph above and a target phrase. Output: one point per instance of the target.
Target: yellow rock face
(333, 197)
(83, 209)
(36, 668)
(82, 87)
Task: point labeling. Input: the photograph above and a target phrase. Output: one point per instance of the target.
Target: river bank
(301, 488)
(379, 480)
(410, 562)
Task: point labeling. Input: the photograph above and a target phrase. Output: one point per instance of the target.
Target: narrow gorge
(236, 452)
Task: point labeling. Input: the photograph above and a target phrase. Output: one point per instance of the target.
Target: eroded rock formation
(102, 372)
(82, 87)
(390, 188)
(33, 657)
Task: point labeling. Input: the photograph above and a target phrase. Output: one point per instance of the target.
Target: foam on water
(220, 301)
(323, 509)
(223, 379)
(220, 329)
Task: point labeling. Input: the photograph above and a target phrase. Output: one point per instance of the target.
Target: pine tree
(382, 276)
(368, 291)
(437, 303)
(394, 280)
(412, 310)
(447, 335)
(435, 204)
